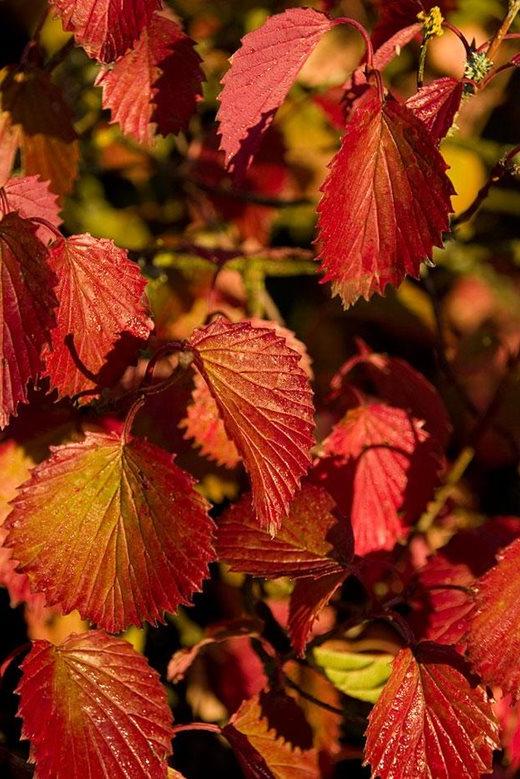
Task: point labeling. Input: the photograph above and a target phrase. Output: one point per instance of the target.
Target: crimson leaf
(386, 200)
(93, 706)
(437, 104)
(431, 720)
(155, 86)
(265, 401)
(100, 293)
(105, 28)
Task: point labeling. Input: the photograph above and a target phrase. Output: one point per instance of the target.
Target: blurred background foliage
(172, 206)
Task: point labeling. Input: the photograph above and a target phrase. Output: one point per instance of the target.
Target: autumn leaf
(203, 424)
(41, 121)
(262, 72)
(113, 528)
(154, 87)
(265, 402)
(396, 382)
(101, 318)
(93, 704)
(27, 308)
(437, 104)
(494, 634)
(308, 599)
(260, 752)
(431, 720)
(310, 542)
(386, 200)
(381, 466)
(105, 28)
(31, 197)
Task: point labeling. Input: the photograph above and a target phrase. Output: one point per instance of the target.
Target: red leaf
(93, 705)
(265, 401)
(494, 635)
(41, 121)
(386, 201)
(105, 28)
(155, 86)
(260, 752)
(203, 422)
(308, 599)
(100, 293)
(261, 74)
(381, 469)
(431, 720)
(437, 104)
(444, 614)
(8, 147)
(112, 528)
(31, 197)
(396, 14)
(27, 302)
(396, 382)
(307, 544)
(14, 470)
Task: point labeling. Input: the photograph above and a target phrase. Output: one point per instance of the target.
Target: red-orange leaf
(308, 599)
(261, 753)
(309, 542)
(27, 304)
(431, 720)
(204, 425)
(101, 309)
(261, 74)
(494, 634)
(437, 104)
(92, 706)
(381, 469)
(112, 528)
(42, 124)
(31, 197)
(265, 400)
(105, 28)
(386, 201)
(155, 86)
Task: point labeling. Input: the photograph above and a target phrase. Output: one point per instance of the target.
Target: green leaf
(360, 675)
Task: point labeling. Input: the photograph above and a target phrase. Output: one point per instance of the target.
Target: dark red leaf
(105, 28)
(431, 720)
(437, 104)
(261, 74)
(380, 465)
(94, 705)
(154, 87)
(396, 382)
(494, 634)
(265, 400)
(41, 122)
(386, 201)
(100, 293)
(308, 599)
(308, 543)
(27, 303)
(112, 528)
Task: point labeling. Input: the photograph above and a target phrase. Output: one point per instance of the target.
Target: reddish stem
(129, 421)
(164, 351)
(364, 34)
(197, 726)
(460, 35)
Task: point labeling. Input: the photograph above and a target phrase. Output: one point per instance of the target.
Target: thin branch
(514, 8)
(60, 56)
(453, 477)
(197, 726)
(316, 701)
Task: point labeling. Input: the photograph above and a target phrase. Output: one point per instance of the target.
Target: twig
(60, 55)
(197, 726)
(514, 8)
(453, 477)
(316, 701)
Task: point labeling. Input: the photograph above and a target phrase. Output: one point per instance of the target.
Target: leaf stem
(308, 697)
(364, 34)
(514, 8)
(197, 726)
(453, 477)
(460, 35)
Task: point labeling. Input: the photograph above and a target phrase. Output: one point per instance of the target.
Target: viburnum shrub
(304, 544)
